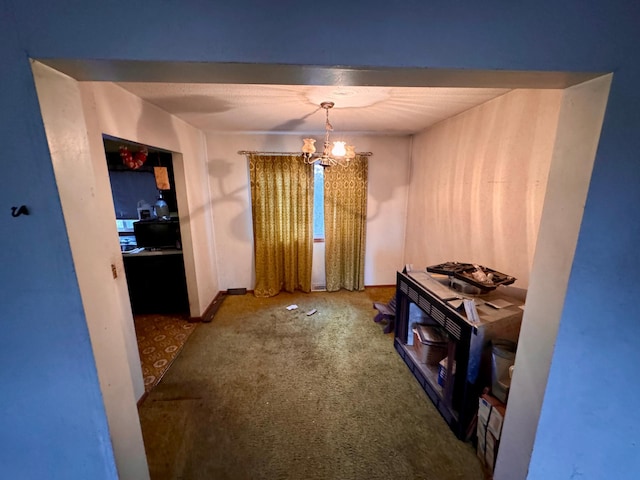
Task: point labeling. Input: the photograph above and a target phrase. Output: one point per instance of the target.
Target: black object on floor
(386, 312)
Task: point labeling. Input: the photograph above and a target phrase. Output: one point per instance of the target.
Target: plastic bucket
(503, 355)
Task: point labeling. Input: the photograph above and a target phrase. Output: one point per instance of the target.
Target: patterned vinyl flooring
(160, 339)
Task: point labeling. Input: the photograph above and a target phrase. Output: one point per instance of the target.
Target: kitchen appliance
(160, 208)
(157, 233)
(144, 210)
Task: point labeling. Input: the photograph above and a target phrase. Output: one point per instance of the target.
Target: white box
(490, 455)
(490, 418)
(495, 423)
(480, 433)
(487, 447)
(491, 413)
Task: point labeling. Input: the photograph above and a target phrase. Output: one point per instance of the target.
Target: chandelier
(333, 153)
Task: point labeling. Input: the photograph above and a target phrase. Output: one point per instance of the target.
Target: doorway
(142, 182)
(117, 415)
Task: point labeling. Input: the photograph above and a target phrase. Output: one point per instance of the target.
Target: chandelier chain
(340, 154)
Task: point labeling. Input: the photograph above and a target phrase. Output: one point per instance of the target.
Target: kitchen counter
(156, 281)
(145, 252)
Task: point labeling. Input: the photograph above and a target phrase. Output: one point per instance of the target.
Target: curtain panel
(345, 224)
(282, 209)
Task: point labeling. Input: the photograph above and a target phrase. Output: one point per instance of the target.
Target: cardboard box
(481, 433)
(487, 450)
(491, 413)
(490, 456)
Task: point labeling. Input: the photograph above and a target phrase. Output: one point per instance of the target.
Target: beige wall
(229, 177)
(75, 116)
(504, 185)
(85, 195)
(578, 133)
(478, 182)
(123, 115)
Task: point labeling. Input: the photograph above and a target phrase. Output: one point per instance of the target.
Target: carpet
(264, 392)
(160, 339)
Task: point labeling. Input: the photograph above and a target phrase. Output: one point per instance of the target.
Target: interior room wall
(49, 424)
(123, 115)
(231, 198)
(579, 124)
(318, 272)
(478, 182)
(85, 195)
(53, 411)
(90, 218)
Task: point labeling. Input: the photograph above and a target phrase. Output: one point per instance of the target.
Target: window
(318, 203)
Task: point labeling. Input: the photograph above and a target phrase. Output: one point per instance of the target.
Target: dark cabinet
(427, 298)
(156, 282)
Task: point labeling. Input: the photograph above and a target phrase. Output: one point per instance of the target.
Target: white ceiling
(296, 108)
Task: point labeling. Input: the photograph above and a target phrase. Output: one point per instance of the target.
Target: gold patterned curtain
(345, 221)
(282, 208)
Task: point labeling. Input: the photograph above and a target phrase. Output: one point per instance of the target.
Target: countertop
(144, 252)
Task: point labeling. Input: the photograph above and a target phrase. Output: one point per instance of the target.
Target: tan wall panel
(478, 184)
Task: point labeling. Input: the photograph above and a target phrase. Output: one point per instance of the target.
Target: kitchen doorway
(143, 190)
(144, 197)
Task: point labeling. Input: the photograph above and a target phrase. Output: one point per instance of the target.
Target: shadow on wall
(224, 172)
(240, 225)
(151, 125)
(385, 179)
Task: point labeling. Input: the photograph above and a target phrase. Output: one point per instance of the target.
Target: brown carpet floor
(267, 393)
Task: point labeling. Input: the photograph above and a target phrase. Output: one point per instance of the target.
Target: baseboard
(211, 310)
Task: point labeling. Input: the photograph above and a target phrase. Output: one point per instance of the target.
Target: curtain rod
(249, 152)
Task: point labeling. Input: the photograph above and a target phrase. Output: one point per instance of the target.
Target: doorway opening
(144, 198)
(566, 139)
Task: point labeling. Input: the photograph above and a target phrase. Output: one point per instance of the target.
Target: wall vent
(237, 291)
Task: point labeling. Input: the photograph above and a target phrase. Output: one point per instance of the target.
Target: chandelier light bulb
(333, 153)
(339, 149)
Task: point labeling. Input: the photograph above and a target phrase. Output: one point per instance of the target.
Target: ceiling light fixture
(336, 153)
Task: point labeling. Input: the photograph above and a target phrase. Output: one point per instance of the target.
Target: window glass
(318, 202)
(128, 188)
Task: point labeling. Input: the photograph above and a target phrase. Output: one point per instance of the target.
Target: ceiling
(275, 98)
(219, 107)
